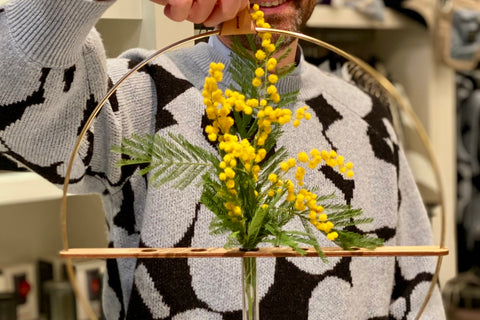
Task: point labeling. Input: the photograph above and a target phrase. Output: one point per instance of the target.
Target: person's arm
(52, 71)
(52, 75)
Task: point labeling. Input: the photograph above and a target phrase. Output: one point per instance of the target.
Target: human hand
(208, 12)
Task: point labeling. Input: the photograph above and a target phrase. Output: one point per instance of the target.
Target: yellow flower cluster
(218, 107)
(301, 114)
(306, 199)
(234, 211)
(268, 48)
(276, 183)
(320, 221)
(258, 16)
(331, 159)
(303, 200)
(237, 100)
(266, 118)
(236, 150)
(245, 154)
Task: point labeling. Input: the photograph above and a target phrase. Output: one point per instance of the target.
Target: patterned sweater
(53, 72)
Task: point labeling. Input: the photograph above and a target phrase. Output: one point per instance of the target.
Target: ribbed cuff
(52, 32)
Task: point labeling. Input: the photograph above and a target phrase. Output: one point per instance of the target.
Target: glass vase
(249, 289)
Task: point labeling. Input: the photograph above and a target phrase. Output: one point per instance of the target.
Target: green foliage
(171, 159)
(351, 240)
(292, 239)
(255, 227)
(271, 165)
(312, 237)
(214, 200)
(288, 98)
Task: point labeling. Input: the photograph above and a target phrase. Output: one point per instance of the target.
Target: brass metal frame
(70, 254)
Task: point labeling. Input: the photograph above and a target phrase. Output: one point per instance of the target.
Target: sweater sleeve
(413, 275)
(52, 75)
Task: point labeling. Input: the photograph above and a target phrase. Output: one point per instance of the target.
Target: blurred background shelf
(325, 16)
(21, 187)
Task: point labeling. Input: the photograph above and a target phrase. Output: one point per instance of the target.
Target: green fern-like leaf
(271, 165)
(351, 240)
(169, 159)
(211, 198)
(245, 125)
(241, 51)
(241, 68)
(311, 236)
(288, 98)
(254, 228)
(352, 222)
(292, 239)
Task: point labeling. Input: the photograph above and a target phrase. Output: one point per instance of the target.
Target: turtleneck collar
(287, 84)
(225, 51)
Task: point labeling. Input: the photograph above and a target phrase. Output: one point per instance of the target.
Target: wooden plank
(110, 253)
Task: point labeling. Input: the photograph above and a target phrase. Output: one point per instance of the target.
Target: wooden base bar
(109, 253)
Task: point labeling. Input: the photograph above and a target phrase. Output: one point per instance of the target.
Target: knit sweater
(53, 72)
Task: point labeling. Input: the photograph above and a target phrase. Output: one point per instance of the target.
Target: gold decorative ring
(70, 254)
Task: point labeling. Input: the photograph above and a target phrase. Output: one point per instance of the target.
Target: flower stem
(249, 286)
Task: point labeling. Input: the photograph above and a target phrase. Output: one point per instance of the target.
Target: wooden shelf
(277, 252)
(21, 187)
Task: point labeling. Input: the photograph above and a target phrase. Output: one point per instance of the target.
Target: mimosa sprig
(253, 187)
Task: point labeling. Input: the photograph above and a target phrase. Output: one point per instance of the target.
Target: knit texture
(52, 78)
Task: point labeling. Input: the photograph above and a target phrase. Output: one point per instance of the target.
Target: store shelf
(22, 187)
(325, 16)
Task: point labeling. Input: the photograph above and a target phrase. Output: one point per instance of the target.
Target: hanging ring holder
(243, 24)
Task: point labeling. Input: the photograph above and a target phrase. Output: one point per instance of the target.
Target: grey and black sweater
(53, 72)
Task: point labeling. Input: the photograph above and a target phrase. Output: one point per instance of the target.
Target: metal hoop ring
(384, 83)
